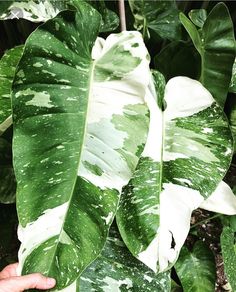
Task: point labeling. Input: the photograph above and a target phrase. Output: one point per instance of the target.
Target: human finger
(32, 281)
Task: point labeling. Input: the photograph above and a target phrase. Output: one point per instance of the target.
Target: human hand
(10, 282)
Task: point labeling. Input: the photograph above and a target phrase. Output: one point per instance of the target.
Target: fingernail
(51, 282)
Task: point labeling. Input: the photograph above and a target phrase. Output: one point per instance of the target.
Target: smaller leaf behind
(8, 65)
(196, 269)
(228, 247)
(117, 270)
(198, 16)
(215, 43)
(158, 16)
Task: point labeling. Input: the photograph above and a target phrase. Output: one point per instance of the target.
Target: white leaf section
(31, 10)
(46, 226)
(153, 146)
(110, 98)
(177, 204)
(185, 97)
(223, 200)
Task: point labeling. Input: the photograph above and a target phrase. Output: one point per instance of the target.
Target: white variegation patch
(222, 200)
(185, 97)
(46, 226)
(108, 99)
(35, 11)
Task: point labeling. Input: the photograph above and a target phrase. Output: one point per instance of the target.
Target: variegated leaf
(188, 151)
(8, 65)
(117, 270)
(80, 123)
(33, 10)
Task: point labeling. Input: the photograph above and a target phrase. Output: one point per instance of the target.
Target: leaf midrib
(93, 64)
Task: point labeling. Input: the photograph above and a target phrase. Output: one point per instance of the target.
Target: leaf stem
(205, 220)
(122, 15)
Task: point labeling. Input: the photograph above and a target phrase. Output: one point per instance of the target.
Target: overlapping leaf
(80, 123)
(215, 43)
(158, 16)
(117, 270)
(196, 269)
(188, 152)
(8, 65)
(33, 10)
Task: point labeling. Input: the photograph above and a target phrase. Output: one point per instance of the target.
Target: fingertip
(51, 282)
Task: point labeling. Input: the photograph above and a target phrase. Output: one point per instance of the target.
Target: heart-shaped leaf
(80, 121)
(187, 154)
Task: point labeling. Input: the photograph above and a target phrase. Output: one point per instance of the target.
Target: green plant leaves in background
(196, 268)
(158, 16)
(185, 61)
(187, 154)
(117, 270)
(198, 17)
(228, 247)
(110, 20)
(216, 45)
(8, 65)
(8, 238)
(80, 122)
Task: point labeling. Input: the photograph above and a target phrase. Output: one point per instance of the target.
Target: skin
(10, 282)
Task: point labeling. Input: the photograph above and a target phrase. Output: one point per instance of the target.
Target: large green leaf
(228, 247)
(188, 152)
(80, 121)
(33, 10)
(158, 16)
(117, 270)
(196, 269)
(216, 44)
(8, 65)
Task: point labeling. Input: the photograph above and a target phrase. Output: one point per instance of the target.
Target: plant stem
(205, 220)
(122, 15)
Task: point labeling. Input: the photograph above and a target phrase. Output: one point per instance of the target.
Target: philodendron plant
(110, 160)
